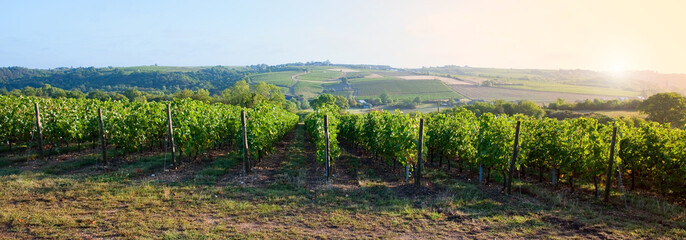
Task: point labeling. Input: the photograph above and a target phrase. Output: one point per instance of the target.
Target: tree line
(240, 94)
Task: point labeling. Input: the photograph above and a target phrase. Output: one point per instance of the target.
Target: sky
(604, 35)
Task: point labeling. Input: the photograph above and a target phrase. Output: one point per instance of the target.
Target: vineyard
(650, 155)
(334, 176)
(573, 151)
(130, 127)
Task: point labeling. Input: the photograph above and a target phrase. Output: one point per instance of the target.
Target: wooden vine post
(418, 169)
(102, 138)
(608, 181)
(515, 151)
(246, 160)
(407, 171)
(171, 136)
(326, 147)
(40, 132)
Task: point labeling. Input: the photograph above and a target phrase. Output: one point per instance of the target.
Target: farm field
(617, 113)
(446, 80)
(567, 88)
(307, 89)
(282, 79)
(287, 197)
(320, 75)
(403, 89)
(509, 94)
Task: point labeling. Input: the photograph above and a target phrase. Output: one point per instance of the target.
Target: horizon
(359, 64)
(611, 36)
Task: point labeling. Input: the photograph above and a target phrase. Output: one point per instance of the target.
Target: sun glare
(618, 69)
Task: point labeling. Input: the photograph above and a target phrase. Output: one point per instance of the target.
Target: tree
(269, 93)
(202, 95)
(323, 100)
(417, 100)
(342, 102)
(119, 97)
(352, 101)
(290, 106)
(344, 81)
(529, 108)
(183, 94)
(53, 91)
(239, 94)
(665, 108)
(29, 91)
(132, 93)
(304, 104)
(406, 104)
(97, 94)
(385, 99)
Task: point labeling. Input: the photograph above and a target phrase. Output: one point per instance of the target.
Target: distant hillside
(643, 83)
(308, 80)
(213, 79)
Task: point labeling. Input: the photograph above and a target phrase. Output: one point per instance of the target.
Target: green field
(277, 78)
(319, 75)
(307, 89)
(364, 80)
(559, 87)
(359, 74)
(343, 93)
(330, 84)
(403, 89)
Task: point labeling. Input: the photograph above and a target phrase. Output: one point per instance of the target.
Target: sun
(617, 68)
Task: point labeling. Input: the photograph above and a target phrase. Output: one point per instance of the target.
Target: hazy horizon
(532, 34)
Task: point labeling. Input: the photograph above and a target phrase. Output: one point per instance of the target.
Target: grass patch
(319, 75)
(64, 167)
(282, 79)
(9, 171)
(307, 89)
(218, 168)
(404, 89)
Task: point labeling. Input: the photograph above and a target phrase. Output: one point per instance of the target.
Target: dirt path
(291, 89)
(266, 171)
(370, 172)
(315, 177)
(186, 169)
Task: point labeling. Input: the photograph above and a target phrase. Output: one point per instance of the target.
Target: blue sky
(612, 35)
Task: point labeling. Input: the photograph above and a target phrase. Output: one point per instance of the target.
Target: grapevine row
(130, 126)
(387, 136)
(315, 125)
(571, 150)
